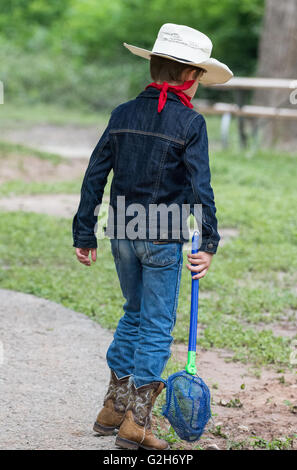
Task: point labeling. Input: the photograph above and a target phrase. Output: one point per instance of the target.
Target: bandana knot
(176, 89)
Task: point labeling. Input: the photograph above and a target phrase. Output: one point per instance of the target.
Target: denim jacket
(156, 158)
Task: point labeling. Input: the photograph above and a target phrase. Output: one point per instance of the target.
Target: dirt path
(53, 377)
(31, 169)
(68, 141)
(54, 373)
(59, 205)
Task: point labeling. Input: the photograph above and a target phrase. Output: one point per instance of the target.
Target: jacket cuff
(210, 246)
(82, 242)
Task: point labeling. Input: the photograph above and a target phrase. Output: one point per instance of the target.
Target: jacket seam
(116, 156)
(154, 134)
(186, 133)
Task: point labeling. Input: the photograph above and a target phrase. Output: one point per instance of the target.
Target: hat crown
(184, 40)
(189, 46)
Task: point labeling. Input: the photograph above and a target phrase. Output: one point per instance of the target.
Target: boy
(157, 147)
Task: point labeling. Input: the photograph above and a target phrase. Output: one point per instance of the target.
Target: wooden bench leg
(240, 100)
(225, 126)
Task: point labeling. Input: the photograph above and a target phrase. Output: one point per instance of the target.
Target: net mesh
(187, 405)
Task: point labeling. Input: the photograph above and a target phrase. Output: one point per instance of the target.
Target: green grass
(258, 443)
(7, 149)
(18, 187)
(284, 443)
(12, 114)
(252, 278)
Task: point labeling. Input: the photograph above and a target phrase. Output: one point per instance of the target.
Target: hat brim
(215, 71)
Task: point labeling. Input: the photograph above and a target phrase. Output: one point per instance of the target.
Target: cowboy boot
(135, 430)
(114, 406)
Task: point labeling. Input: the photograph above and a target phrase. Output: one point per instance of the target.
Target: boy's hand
(83, 255)
(202, 261)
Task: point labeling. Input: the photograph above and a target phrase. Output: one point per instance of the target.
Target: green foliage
(36, 77)
(71, 51)
(237, 445)
(217, 431)
(284, 443)
(232, 25)
(253, 442)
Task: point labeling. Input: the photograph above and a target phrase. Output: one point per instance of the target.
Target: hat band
(178, 58)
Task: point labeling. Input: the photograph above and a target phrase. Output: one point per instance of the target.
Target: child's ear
(190, 74)
(201, 74)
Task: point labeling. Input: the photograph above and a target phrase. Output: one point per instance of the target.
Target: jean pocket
(162, 254)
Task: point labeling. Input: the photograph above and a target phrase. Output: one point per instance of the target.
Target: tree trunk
(277, 59)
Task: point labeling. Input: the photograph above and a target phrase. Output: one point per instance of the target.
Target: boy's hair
(167, 70)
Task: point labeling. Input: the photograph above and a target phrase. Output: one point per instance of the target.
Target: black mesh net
(187, 405)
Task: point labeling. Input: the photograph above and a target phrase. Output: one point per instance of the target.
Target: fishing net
(187, 405)
(187, 396)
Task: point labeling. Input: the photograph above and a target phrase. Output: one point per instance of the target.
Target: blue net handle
(194, 300)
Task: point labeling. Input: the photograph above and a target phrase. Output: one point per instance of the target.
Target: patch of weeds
(237, 445)
(198, 447)
(256, 372)
(217, 431)
(8, 148)
(291, 406)
(284, 443)
(157, 410)
(169, 435)
(249, 345)
(233, 403)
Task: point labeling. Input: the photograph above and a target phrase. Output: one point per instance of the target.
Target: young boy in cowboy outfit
(157, 147)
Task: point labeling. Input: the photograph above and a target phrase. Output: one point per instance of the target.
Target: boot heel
(126, 444)
(104, 430)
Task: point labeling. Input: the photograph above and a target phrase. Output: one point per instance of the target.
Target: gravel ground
(53, 375)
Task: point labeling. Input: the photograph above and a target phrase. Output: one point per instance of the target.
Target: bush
(39, 77)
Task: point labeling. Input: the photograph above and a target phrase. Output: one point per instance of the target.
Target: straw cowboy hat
(189, 46)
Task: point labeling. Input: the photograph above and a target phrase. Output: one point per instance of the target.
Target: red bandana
(177, 90)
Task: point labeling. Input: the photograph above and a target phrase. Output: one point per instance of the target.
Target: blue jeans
(149, 275)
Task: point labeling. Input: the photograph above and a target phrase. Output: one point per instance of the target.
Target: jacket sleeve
(197, 163)
(92, 189)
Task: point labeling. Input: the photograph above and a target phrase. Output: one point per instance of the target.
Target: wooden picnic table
(240, 86)
(255, 83)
